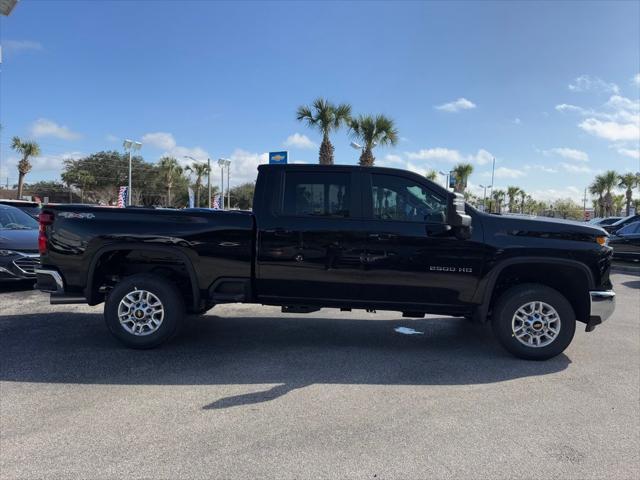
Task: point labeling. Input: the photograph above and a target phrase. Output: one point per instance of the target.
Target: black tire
(514, 298)
(172, 305)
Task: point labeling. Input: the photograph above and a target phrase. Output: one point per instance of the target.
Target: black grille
(27, 264)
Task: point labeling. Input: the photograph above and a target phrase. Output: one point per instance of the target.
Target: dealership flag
(123, 194)
(216, 202)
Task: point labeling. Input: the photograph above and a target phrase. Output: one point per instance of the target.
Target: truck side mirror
(457, 218)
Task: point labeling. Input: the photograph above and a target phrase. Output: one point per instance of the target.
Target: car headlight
(7, 253)
(602, 241)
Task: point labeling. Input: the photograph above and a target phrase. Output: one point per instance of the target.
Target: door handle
(382, 236)
(279, 232)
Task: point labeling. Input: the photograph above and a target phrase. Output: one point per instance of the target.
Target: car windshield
(14, 219)
(622, 221)
(631, 228)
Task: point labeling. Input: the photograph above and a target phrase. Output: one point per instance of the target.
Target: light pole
(224, 162)
(446, 175)
(130, 145)
(484, 196)
(208, 176)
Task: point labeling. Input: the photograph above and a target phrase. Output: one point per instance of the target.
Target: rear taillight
(45, 219)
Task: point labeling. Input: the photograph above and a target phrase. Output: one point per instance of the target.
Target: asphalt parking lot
(248, 392)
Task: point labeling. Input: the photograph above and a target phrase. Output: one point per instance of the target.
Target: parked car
(604, 221)
(30, 208)
(626, 242)
(614, 227)
(19, 255)
(332, 236)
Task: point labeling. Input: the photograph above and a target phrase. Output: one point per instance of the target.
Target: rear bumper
(602, 305)
(51, 281)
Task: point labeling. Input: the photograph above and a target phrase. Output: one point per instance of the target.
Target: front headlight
(602, 241)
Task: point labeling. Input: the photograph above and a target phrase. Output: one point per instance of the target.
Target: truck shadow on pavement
(291, 352)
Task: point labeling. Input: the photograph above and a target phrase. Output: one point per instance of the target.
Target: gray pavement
(248, 392)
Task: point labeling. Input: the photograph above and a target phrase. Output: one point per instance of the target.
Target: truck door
(311, 243)
(412, 255)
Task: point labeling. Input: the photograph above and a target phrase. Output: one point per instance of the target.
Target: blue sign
(278, 158)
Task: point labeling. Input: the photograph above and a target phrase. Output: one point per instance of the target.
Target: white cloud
(392, 160)
(43, 163)
(19, 46)
(161, 140)
(568, 153)
(636, 79)
(244, 165)
(457, 105)
(613, 131)
(566, 107)
(111, 138)
(618, 102)
(504, 172)
(542, 168)
(43, 127)
(437, 153)
(299, 141)
(629, 152)
(573, 168)
(586, 83)
(483, 157)
(552, 194)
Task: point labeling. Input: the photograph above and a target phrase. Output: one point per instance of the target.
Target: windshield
(622, 221)
(14, 219)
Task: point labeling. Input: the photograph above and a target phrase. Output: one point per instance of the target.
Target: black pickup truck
(344, 237)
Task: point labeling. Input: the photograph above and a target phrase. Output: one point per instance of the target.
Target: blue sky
(550, 89)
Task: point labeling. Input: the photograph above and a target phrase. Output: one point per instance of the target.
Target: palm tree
(597, 188)
(512, 193)
(523, 198)
(200, 170)
(326, 117)
(498, 197)
(609, 182)
(170, 170)
(628, 181)
(373, 131)
(618, 204)
(27, 150)
(462, 172)
(431, 175)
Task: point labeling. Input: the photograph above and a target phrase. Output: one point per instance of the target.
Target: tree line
(96, 178)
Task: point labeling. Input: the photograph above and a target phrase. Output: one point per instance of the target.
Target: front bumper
(602, 305)
(19, 266)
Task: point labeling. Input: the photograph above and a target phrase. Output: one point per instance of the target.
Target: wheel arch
(91, 291)
(571, 278)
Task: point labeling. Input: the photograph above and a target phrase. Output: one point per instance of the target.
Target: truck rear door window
(317, 194)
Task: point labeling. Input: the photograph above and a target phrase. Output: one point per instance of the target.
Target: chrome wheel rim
(140, 313)
(536, 324)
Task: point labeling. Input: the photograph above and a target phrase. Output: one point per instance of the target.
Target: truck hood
(543, 227)
(19, 240)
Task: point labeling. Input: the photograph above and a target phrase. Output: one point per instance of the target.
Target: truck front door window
(401, 199)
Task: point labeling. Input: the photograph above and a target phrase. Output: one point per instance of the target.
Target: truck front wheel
(533, 321)
(144, 311)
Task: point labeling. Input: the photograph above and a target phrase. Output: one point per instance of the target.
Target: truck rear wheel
(533, 321)
(144, 311)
